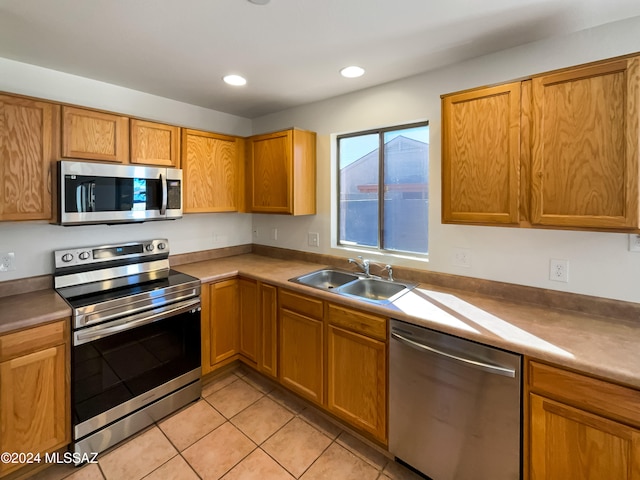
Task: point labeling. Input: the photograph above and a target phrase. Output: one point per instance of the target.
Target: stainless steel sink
(377, 290)
(325, 279)
(352, 285)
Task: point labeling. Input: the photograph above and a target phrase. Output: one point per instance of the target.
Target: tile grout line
(178, 450)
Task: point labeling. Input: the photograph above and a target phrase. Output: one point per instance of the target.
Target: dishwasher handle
(506, 372)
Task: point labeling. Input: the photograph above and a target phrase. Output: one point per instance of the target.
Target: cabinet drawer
(607, 399)
(301, 304)
(370, 325)
(30, 340)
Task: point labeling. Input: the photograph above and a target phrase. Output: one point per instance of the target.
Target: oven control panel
(104, 253)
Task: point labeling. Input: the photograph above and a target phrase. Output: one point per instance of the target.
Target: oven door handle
(100, 331)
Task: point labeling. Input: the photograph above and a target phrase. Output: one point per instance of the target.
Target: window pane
(406, 180)
(359, 174)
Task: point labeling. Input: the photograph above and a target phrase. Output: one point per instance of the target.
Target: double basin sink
(358, 286)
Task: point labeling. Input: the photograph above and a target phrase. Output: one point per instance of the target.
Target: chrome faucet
(364, 264)
(389, 269)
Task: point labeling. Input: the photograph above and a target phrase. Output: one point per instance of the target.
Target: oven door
(121, 366)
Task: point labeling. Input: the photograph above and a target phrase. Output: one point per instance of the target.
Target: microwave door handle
(81, 203)
(163, 206)
(92, 197)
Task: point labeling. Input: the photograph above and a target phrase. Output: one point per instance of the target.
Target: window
(399, 156)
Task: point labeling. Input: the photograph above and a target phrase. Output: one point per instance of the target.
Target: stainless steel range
(136, 339)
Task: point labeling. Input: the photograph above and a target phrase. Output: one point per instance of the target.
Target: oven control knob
(67, 257)
(149, 247)
(84, 255)
(162, 246)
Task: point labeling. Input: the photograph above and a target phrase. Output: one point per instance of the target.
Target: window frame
(380, 247)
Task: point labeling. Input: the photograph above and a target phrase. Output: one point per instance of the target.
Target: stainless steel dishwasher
(454, 406)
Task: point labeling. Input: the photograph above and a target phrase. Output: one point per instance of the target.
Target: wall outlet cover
(559, 270)
(7, 261)
(462, 257)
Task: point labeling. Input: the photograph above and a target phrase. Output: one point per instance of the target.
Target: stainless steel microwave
(91, 193)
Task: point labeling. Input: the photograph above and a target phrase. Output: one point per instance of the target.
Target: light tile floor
(243, 428)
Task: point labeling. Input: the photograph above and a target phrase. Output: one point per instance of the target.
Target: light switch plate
(313, 239)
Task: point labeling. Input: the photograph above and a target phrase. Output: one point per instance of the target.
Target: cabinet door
(585, 146)
(271, 163)
(28, 146)
(481, 156)
(33, 403)
(570, 443)
(301, 355)
(94, 135)
(155, 144)
(210, 168)
(268, 339)
(223, 320)
(358, 393)
(248, 290)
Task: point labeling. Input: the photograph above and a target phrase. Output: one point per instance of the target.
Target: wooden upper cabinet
(92, 135)
(283, 172)
(210, 164)
(481, 156)
(28, 148)
(155, 144)
(585, 146)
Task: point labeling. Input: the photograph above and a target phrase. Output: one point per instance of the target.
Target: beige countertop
(597, 345)
(31, 309)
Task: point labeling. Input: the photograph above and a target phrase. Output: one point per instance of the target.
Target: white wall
(599, 263)
(39, 82)
(34, 242)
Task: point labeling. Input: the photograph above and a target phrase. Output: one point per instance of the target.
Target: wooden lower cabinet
(248, 318)
(357, 369)
(301, 358)
(219, 323)
(34, 391)
(567, 442)
(268, 330)
(301, 350)
(580, 427)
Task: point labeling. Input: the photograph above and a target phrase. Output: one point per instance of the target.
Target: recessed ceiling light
(352, 71)
(235, 80)
(260, 2)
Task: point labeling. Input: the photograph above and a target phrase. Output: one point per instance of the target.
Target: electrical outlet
(559, 270)
(634, 242)
(274, 234)
(462, 257)
(7, 261)
(255, 233)
(313, 239)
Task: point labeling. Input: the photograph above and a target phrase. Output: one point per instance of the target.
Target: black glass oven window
(114, 369)
(111, 194)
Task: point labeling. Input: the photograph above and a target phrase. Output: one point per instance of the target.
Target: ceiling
(290, 51)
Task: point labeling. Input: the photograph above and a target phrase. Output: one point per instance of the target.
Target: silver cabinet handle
(506, 372)
(101, 331)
